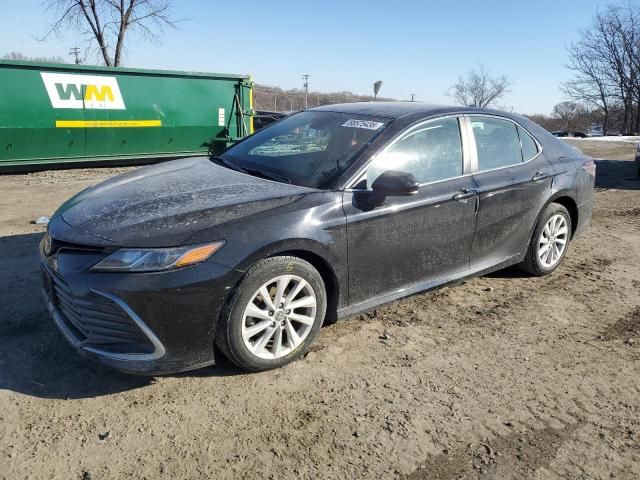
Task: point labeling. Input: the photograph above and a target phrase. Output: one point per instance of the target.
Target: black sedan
(323, 214)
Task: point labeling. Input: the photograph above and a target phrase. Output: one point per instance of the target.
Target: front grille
(96, 321)
(55, 245)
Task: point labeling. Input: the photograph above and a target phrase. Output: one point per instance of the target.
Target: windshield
(311, 149)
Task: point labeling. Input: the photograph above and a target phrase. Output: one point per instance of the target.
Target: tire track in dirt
(512, 456)
(626, 327)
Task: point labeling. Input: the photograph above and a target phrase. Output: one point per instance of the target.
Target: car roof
(401, 109)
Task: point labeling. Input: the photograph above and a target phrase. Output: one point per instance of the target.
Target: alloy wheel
(279, 316)
(553, 241)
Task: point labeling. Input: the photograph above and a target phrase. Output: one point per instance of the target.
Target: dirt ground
(502, 377)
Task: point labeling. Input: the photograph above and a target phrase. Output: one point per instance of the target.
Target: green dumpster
(52, 113)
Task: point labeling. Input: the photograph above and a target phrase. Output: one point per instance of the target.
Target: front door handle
(464, 195)
(538, 176)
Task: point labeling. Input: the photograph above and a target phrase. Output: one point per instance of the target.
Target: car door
(410, 240)
(513, 181)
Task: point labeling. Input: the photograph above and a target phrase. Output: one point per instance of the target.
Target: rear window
(497, 142)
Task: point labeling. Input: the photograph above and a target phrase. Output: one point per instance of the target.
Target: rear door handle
(538, 176)
(464, 195)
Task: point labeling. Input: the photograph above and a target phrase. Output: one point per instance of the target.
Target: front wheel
(275, 314)
(549, 242)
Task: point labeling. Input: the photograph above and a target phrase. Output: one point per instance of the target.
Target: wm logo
(83, 91)
(91, 92)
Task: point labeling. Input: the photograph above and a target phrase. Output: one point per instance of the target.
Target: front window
(311, 149)
(431, 152)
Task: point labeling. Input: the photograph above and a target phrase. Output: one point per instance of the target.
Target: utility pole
(413, 96)
(75, 51)
(305, 77)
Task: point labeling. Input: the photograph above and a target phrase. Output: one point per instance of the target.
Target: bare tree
(106, 23)
(376, 89)
(590, 84)
(568, 114)
(25, 58)
(275, 98)
(479, 89)
(606, 64)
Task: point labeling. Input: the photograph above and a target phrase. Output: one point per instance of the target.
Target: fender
(310, 250)
(564, 193)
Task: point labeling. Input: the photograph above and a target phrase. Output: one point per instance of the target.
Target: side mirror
(395, 184)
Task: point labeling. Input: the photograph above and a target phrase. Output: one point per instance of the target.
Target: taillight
(590, 167)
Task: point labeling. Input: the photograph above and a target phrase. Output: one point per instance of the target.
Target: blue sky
(412, 46)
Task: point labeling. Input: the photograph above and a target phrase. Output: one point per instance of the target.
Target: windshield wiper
(228, 163)
(268, 175)
(256, 172)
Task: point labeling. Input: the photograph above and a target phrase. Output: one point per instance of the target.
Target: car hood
(165, 204)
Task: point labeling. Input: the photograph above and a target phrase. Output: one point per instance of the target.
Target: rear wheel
(550, 240)
(274, 315)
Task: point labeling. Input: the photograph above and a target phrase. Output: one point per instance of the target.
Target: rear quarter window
(529, 145)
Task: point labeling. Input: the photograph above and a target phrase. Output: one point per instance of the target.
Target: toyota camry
(326, 213)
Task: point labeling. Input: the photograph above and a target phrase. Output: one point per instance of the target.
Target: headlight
(156, 259)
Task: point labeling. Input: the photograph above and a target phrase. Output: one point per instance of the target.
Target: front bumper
(143, 323)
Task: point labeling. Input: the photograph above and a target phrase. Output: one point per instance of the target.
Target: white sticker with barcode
(221, 122)
(367, 124)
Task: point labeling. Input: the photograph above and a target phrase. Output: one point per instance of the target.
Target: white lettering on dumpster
(83, 91)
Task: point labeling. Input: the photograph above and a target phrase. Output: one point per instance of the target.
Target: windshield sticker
(367, 124)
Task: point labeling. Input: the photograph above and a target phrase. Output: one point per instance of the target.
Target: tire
(538, 263)
(249, 318)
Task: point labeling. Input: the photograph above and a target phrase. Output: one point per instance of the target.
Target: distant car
(596, 130)
(565, 133)
(326, 213)
(263, 118)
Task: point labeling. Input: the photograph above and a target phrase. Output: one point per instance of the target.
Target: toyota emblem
(47, 245)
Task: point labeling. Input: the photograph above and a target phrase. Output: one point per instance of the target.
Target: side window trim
(520, 142)
(474, 149)
(464, 139)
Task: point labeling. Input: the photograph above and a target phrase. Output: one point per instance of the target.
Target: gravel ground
(504, 376)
